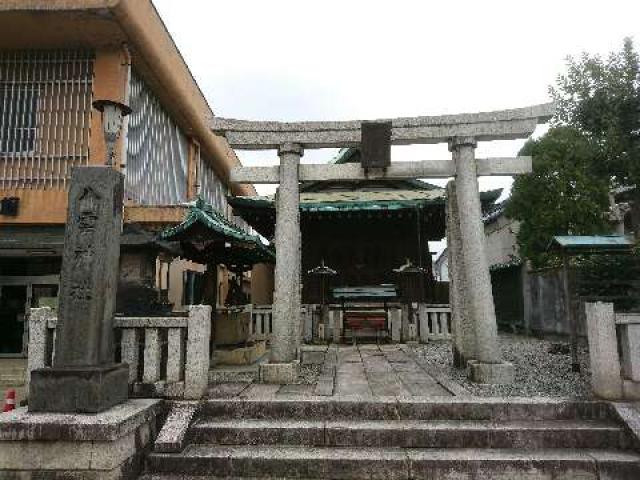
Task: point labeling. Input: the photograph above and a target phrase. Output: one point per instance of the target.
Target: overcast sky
(324, 60)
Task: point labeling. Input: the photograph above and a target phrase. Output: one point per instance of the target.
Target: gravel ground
(538, 372)
(308, 375)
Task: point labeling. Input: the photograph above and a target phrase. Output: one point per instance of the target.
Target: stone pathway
(364, 371)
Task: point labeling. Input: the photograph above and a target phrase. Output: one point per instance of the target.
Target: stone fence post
(196, 376)
(37, 353)
(606, 378)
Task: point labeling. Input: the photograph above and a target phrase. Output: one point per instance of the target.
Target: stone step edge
(411, 434)
(508, 425)
(179, 476)
(394, 408)
(381, 462)
(414, 400)
(236, 452)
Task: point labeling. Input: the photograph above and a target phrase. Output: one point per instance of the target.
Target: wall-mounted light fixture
(113, 114)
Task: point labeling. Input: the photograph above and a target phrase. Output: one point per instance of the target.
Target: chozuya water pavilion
(363, 194)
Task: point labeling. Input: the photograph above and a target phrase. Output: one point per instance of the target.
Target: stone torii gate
(474, 325)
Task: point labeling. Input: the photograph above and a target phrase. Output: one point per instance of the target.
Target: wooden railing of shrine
(434, 322)
(261, 326)
(168, 356)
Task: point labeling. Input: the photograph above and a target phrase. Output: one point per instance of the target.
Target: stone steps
(396, 439)
(12, 377)
(451, 408)
(413, 433)
(388, 463)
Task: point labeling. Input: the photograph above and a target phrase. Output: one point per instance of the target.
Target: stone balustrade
(167, 356)
(261, 327)
(435, 322)
(614, 352)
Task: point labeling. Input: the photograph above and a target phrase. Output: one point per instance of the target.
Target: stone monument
(84, 377)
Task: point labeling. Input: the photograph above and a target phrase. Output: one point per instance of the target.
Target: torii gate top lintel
(497, 125)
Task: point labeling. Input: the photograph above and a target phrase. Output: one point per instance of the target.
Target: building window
(18, 118)
(45, 116)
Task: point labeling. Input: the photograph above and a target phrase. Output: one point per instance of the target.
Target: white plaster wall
(500, 240)
(442, 267)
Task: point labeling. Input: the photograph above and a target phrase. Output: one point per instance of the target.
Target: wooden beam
(397, 170)
(192, 167)
(498, 125)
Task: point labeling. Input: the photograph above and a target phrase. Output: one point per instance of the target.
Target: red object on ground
(9, 401)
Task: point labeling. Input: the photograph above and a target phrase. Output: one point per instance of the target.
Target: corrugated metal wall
(157, 151)
(211, 188)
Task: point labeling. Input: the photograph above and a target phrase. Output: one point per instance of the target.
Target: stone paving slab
(366, 371)
(260, 391)
(172, 436)
(295, 390)
(226, 390)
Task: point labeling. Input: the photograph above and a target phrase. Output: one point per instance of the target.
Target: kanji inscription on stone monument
(84, 377)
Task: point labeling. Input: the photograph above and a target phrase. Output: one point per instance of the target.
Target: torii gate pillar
(287, 301)
(487, 367)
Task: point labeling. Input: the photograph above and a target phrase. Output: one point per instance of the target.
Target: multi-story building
(56, 58)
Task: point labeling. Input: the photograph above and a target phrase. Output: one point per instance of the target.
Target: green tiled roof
(201, 213)
(328, 201)
(344, 155)
(592, 242)
(351, 200)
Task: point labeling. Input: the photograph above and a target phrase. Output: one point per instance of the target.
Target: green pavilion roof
(358, 200)
(351, 200)
(205, 235)
(592, 243)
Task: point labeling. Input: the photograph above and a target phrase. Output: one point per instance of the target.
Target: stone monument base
(493, 373)
(78, 389)
(282, 373)
(110, 445)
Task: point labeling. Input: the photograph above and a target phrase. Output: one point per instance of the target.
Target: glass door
(13, 299)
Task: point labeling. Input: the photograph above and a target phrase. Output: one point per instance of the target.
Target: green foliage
(611, 278)
(601, 98)
(562, 196)
(594, 144)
